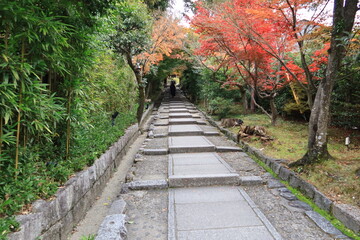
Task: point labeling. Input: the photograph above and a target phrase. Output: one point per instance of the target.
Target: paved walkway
(189, 182)
(204, 211)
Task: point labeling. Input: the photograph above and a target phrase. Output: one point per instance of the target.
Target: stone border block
(322, 201)
(148, 184)
(113, 227)
(349, 215)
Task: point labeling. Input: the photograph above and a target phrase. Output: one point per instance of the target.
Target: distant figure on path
(172, 89)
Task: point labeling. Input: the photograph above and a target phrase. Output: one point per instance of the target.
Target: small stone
(129, 177)
(357, 172)
(273, 183)
(300, 204)
(124, 189)
(151, 134)
(284, 189)
(288, 196)
(138, 160)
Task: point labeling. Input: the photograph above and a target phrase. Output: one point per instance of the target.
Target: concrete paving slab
(180, 115)
(200, 169)
(241, 233)
(184, 130)
(190, 144)
(202, 194)
(178, 121)
(194, 158)
(196, 216)
(195, 115)
(216, 213)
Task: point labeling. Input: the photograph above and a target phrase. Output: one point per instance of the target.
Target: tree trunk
(252, 100)
(343, 22)
(244, 100)
(274, 112)
(141, 102)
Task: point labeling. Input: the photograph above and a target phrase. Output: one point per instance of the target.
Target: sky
(177, 9)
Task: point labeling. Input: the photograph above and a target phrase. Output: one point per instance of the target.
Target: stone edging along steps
(348, 214)
(55, 219)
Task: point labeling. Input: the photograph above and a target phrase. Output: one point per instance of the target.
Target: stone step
(190, 144)
(160, 151)
(228, 149)
(148, 184)
(200, 169)
(203, 180)
(177, 121)
(180, 115)
(178, 110)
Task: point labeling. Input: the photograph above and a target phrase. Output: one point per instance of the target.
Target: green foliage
(89, 237)
(133, 24)
(220, 106)
(159, 73)
(190, 82)
(59, 85)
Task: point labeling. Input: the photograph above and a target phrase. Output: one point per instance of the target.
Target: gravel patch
(208, 128)
(161, 130)
(151, 167)
(147, 214)
(221, 141)
(157, 143)
(290, 222)
(242, 164)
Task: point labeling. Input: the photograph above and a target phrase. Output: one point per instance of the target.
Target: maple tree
(166, 36)
(220, 34)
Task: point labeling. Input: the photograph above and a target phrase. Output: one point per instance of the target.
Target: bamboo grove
(60, 83)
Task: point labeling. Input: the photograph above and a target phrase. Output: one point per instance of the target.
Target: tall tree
(343, 22)
(133, 25)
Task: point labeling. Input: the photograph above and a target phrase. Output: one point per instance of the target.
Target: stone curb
(55, 219)
(148, 184)
(349, 215)
(113, 227)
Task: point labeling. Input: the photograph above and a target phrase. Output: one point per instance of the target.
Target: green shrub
(220, 106)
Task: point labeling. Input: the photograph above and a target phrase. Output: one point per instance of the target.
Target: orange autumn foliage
(167, 35)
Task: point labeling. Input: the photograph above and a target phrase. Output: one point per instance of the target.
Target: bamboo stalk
(19, 112)
(68, 127)
(1, 133)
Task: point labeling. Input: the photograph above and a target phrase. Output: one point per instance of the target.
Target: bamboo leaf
(15, 74)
